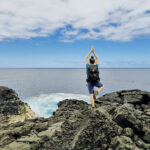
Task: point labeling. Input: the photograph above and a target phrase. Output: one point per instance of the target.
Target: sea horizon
(72, 68)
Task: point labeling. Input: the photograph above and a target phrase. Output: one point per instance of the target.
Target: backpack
(93, 74)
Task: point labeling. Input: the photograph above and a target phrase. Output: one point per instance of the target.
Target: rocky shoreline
(12, 109)
(120, 121)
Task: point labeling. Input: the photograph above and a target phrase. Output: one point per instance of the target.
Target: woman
(91, 82)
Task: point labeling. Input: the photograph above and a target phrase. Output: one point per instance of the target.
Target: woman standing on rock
(93, 76)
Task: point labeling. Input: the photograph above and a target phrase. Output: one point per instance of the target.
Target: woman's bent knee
(101, 87)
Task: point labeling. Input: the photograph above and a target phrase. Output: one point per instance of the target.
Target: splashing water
(45, 104)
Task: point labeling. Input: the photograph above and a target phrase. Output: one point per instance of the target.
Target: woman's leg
(100, 88)
(91, 91)
(92, 100)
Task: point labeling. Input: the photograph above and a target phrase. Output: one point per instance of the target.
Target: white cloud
(120, 20)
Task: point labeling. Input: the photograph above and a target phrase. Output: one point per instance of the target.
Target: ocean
(42, 89)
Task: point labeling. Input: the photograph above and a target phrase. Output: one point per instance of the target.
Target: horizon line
(73, 68)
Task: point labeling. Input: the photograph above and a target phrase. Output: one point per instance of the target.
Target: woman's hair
(92, 60)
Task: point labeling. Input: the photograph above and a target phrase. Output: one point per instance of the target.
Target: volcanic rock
(12, 109)
(120, 121)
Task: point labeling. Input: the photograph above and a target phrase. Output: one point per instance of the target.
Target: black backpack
(93, 74)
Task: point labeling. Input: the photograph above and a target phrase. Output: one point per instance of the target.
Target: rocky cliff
(12, 109)
(120, 121)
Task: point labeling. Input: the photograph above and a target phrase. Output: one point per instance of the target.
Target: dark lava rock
(9, 102)
(12, 109)
(120, 121)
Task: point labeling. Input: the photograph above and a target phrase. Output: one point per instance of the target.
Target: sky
(60, 33)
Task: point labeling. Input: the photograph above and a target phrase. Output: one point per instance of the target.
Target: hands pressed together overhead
(92, 51)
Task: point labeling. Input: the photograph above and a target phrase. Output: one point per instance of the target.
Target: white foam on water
(45, 104)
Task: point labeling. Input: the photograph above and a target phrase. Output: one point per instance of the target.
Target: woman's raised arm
(86, 57)
(95, 57)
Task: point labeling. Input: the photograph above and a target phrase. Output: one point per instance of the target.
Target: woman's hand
(92, 49)
(86, 57)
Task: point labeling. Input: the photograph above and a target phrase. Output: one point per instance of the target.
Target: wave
(45, 104)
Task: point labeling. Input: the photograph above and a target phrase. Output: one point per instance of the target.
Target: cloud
(118, 20)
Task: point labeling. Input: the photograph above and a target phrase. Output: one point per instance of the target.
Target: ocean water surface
(42, 89)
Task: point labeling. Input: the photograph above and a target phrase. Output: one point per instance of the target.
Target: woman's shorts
(91, 86)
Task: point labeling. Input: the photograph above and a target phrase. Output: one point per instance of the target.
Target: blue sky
(41, 36)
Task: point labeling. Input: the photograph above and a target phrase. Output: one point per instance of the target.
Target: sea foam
(45, 104)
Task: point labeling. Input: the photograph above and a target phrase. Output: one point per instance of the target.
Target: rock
(12, 109)
(123, 142)
(128, 132)
(120, 121)
(146, 136)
